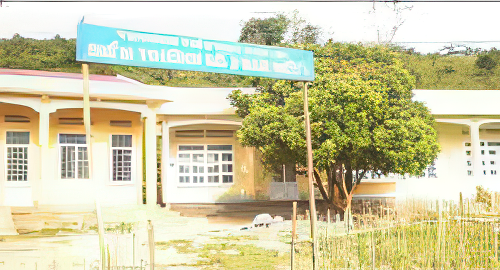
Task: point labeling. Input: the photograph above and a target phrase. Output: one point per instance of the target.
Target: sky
(347, 22)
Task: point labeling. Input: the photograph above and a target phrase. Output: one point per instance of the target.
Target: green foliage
(27, 53)
(483, 195)
(361, 111)
(269, 31)
(485, 61)
(435, 71)
(281, 28)
(302, 32)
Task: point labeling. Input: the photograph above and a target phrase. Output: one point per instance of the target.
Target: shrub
(483, 196)
(485, 61)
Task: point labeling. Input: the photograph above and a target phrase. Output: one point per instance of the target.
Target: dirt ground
(181, 243)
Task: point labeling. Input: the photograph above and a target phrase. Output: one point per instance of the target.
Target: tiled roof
(77, 76)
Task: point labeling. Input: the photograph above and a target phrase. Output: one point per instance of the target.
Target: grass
(50, 232)
(182, 246)
(227, 253)
(235, 256)
(420, 236)
(121, 227)
(237, 237)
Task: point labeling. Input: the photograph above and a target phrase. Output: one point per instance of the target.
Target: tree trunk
(330, 173)
(339, 179)
(290, 172)
(319, 184)
(348, 177)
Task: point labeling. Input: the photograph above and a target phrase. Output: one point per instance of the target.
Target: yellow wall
(12, 194)
(373, 188)
(85, 191)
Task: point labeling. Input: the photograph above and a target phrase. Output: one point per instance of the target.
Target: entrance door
(17, 186)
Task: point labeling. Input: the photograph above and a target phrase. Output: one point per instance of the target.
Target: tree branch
(320, 186)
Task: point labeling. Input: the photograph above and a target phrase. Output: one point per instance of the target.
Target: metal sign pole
(312, 201)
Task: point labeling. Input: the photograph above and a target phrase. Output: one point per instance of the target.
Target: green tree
(362, 119)
(280, 29)
(301, 31)
(269, 31)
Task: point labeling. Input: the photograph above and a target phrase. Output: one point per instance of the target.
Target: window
(469, 173)
(492, 162)
(481, 143)
(467, 144)
(493, 172)
(121, 156)
(469, 163)
(468, 153)
(482, 152)
(492, 152)
(17, 155)
(74, 156)
(210, 164)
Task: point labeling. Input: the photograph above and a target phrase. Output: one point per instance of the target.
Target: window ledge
(114, 183)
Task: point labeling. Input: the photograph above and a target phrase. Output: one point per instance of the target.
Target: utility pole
(312, 200)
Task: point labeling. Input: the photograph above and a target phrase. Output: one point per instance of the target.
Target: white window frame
(485, 167)
(133, 161)
(205, 163)
(17, 183)
(59, 161)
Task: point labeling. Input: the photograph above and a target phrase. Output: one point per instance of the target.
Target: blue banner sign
(107, 45)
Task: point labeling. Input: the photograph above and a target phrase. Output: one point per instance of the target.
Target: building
(468, 126)
(187, 137)
(47, 160)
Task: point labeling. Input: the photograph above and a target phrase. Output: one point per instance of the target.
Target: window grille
(17, 155)
(74, 156)
(121, 151)
(205, 164)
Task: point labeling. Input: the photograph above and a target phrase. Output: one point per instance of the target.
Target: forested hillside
(451, 72)
(431, 71)
(59, 54)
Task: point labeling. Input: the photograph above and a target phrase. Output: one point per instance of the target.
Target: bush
(483, 196)
(485, 61)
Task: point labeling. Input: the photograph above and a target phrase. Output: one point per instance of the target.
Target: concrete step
(7, 226)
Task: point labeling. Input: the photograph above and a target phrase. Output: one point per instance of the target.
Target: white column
(150, 156)
(477, 159)
(43, 141)
(165, 159)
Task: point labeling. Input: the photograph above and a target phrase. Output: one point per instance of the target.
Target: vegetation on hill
(435, 71)
(59, 54)
(432, 71)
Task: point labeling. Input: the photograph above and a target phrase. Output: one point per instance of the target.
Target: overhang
(460, 102)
